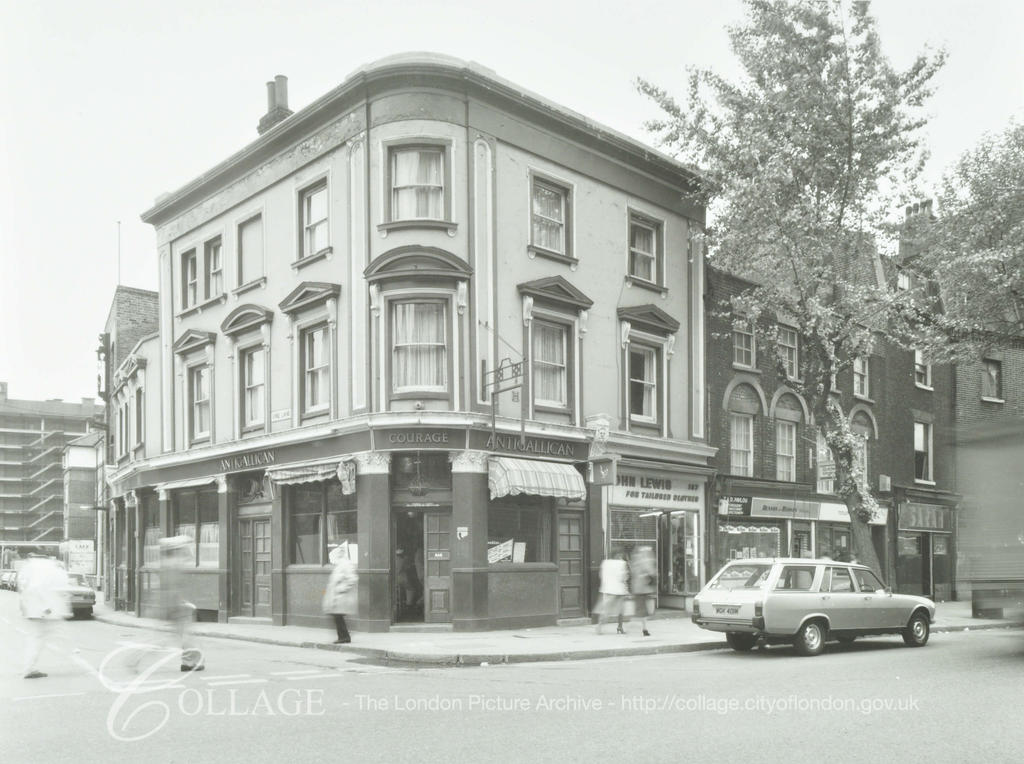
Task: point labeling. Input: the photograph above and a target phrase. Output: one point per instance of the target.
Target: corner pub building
(434, 316)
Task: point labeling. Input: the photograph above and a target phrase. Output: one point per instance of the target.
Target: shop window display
(529, 526)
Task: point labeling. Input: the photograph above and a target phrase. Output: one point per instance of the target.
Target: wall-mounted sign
(248, 461)
(419, 439)
(462, 532)
(796, 509)
(281, 415)
(530, 446)
(657, 490)
(81, 556)
(925, 517)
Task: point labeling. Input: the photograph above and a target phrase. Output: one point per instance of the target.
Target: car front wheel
(741, 642)
(917, 631)
(810, 640)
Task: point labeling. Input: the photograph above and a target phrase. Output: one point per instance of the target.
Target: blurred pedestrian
(614, 589)
(175, 554)
(643, 583)
(341, 596)
(42, 583)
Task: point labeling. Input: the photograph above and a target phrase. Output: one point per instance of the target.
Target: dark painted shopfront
(447, 526)
(925, 549)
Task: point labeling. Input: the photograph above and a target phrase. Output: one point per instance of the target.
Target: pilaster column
(469, 540)
(278, 559)
(373, 518)
(225, 509)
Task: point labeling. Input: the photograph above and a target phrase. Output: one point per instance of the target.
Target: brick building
(774, 490)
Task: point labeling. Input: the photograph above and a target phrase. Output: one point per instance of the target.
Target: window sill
(429, 225)
(534, 252)
(918, 481)
(919, 386)
(259, 283)
(547, 408)
(986, 399)
(748, 369)
(411, 395)
(196, 309)
(314, 414)
(301, 263)
(137, 449)
(864, 398)
(645, 424)
(253, 429)
(636, 281)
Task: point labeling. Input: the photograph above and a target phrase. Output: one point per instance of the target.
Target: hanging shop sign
(925, 517)
(657, 490)
(601, 472)
(734, 505)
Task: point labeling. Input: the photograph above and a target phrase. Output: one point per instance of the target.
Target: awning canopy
(511, 477)
(344, 470)
(174, 485)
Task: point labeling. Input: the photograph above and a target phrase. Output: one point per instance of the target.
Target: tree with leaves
(973, 250)
(802, 160)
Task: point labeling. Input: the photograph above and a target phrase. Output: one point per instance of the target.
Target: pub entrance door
(422, 566)
(254, 563)
(570, 564)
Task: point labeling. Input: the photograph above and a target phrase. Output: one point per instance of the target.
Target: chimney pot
(271, 96)
(281, 91)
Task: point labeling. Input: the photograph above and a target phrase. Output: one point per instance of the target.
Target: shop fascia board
(660, 449)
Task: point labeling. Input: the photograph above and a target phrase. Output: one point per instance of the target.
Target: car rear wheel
(917, 631)
(741, 642)
(810, 640)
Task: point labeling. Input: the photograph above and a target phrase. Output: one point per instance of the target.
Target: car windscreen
(741, 576)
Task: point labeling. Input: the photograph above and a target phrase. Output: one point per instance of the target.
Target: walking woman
(614, 589)
(341, 594)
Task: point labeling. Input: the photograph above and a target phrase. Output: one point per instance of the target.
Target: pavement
(671, 632)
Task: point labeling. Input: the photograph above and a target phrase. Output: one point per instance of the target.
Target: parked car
(5, 577)
(807, 602)
(82, 596)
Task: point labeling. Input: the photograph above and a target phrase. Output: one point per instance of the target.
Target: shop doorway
(801, 539)
(570, 564)
(913, 564)
(421, 566)
(254, 561)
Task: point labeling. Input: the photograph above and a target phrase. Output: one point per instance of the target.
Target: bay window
(419, 360)
(417, 183)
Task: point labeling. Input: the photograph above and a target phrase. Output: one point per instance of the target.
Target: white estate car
(807, 602)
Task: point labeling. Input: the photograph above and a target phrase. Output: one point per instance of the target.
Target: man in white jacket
(42, 583)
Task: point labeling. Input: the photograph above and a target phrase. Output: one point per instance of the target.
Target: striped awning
(511, 477)
(344, 470)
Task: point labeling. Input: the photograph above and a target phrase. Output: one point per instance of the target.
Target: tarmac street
(958, 698)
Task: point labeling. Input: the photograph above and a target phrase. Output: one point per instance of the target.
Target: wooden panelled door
(255, 567)
(570, 565)
(437, 563)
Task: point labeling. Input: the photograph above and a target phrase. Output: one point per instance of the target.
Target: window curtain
(642, 386)
(548, 221)
(642, 251)
(419, 346)
(740, 444)
(201, 401)
(317, 368)
(549, 366)
(418, 185)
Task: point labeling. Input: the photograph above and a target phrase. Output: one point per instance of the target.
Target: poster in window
(519, 551)
(501, 552)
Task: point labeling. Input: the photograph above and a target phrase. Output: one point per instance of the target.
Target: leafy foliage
(802, 160)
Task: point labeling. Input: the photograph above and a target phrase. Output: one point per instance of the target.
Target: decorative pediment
(419, 263)
(309, 294)
(193, 340)
(245, 318)
(649, 318)
(555, 289)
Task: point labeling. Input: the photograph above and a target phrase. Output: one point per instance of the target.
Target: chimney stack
(277, 104)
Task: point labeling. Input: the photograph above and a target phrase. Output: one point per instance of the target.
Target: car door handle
(868, 597)
(826, 596)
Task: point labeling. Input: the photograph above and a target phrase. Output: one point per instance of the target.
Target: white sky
(105, 105)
